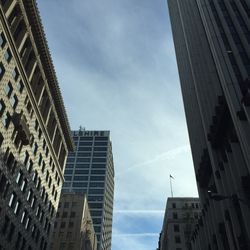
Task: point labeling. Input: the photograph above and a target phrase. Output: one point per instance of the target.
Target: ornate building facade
(34, 132)
(212, 39)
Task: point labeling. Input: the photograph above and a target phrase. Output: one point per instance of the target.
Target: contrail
(136, 235)
(139, 211)
(171, 154)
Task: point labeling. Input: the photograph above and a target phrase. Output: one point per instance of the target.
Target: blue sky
(116, 67)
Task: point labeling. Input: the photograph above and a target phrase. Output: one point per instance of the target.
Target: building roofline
(45, 56)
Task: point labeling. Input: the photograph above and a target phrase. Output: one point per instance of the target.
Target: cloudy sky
(116, 67)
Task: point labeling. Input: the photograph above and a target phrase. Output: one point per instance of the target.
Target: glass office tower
(90, 170)
(212, 39)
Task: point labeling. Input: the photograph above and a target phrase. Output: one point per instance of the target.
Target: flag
(171, 176)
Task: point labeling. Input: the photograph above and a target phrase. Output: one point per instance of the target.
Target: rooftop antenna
(81, 128)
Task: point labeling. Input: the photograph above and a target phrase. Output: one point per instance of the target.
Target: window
(63, 224)
(24, 185)
(2, 70)
(2, 40)
(80, 178)
(71, 224)
(2, 107)
(17, 207)
(12, 200)
(20, 86)
(175, 215)
(7, 55)
(35, 147)
(19, 177)
(72, 214)
(65, 214)
(80, 184)
(15, 74)
(14, 101)
(176, 228)
(6, 120)
(29, 196)
(173, 205)
(8, 89)
(33, 202)
(23, 217)
(177, 239)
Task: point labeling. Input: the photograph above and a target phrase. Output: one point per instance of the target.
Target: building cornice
(46, 60)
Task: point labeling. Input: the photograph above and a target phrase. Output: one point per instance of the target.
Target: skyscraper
(90, 170)
(34, 131)
(212, 40)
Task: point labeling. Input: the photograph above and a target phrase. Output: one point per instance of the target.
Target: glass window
(98, 165)
(8, 89)
(177, 239)
(101, 138)
(80, 178)
(99, 160)
(6, 120)
(98, 149)
(97, 178)
(79, 165)
(17, 207)
(85, 149)
(83, 160)
(80, 184)
(2, 40)
(20, 86)
(68, 177)
(96, 184)
(85, 143)
(7, 55)
(175, 215)
(66, 205)
(84, 154)
(12, 200)
(14, 101)
(81, 171)
(100, 154)
(176, 228)
(2, 107)
(2, 70)
(98, 172)
(95, 198)
(96, 191)
(101, 143)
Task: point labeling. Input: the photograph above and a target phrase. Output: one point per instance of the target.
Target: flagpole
(171, 186)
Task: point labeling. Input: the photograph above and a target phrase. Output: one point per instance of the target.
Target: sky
(117, 71)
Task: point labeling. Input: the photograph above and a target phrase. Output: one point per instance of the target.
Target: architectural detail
(181, 216)
(34, 130)
(212, 40)
(90, 170)
(73, 227)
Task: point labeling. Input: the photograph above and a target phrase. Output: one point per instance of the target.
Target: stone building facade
(181, 217)
(212, 39)
(73, 227)
(34, 131)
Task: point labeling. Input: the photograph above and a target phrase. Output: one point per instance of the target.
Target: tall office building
(90, 170)
(181, 217)
(212, 42)
(34, 131)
